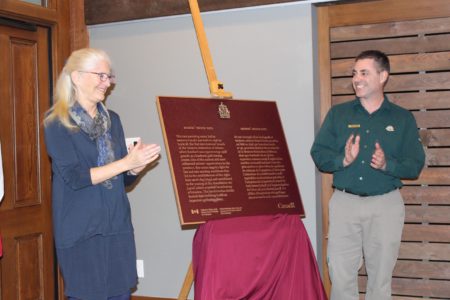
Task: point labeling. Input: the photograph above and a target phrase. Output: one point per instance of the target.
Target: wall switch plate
(140, 268)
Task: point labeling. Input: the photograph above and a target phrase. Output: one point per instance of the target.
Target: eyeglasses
(103, 76)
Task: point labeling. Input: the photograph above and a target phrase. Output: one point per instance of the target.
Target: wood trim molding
(380, 11)
(79, 37)
(150, 298)
(323, 41)
(124, 10)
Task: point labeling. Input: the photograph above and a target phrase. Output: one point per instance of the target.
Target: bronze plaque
(228, 158)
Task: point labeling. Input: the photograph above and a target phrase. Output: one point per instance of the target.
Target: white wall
(258, 53)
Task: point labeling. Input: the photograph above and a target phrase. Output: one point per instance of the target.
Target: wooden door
(27, 269)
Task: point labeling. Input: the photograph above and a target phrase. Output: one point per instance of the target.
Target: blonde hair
(65, 94)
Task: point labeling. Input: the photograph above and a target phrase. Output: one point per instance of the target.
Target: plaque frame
(227, 158)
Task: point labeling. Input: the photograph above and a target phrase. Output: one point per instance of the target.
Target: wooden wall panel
(400, 83)
(430, 269)
(435, 137)
(439, 195)
(438, 157)
(25, 100)
(30, 268)
(416, 37)
(391, 29)
(413, 101)
(401, 45)
(425, 251)
(427, 214)
(431, 176)
(432, 118)
(438, 289)
(426, 233)
(436, 61)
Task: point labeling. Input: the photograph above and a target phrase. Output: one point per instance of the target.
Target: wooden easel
(188, 280)
(216, 91)
(215, 86)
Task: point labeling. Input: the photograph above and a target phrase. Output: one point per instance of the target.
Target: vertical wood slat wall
(420, 82)
(419, 51)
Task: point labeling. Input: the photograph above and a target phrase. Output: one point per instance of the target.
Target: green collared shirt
(393, 127)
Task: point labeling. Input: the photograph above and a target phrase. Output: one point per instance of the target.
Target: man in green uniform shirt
(369, 144)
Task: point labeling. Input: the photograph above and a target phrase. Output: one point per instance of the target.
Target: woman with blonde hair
(91, 166)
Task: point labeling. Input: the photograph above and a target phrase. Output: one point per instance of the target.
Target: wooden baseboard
(150, 298)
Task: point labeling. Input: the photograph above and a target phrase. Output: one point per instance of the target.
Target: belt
(353, 193)
(360, 194)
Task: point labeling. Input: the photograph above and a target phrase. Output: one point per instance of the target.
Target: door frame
(65, 20)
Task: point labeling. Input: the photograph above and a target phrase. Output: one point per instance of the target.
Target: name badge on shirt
(354, 125)
(390, 128)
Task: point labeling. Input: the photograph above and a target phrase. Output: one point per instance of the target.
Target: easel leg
(188, 280)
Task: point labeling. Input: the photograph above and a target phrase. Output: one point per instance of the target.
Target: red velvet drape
(255, 258)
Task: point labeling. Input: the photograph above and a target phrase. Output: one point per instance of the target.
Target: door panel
(27, 269)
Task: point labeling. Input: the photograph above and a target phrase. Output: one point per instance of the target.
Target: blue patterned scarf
(99, 130)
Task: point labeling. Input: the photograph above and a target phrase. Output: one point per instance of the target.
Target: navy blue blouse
(80, 208)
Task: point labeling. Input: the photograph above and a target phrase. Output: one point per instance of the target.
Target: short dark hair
(379, 57)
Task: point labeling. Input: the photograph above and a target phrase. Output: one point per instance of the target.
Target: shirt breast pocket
(390, 140)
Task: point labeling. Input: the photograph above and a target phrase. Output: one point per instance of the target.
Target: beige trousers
(369, 227)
